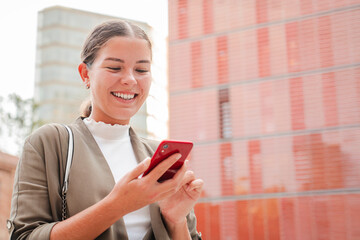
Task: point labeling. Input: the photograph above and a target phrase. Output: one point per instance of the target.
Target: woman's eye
(142, 70)
(114, 68)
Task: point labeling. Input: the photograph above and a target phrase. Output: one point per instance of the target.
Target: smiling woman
(106, 199)
(119, 79)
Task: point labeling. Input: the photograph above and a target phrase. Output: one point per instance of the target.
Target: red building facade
(269, 91)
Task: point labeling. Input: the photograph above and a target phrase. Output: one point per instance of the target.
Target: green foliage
(17, 117)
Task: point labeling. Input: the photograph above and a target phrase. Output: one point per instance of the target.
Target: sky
(18, 25)
(18, 29)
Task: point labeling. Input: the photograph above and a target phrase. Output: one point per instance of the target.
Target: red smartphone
(165, 150)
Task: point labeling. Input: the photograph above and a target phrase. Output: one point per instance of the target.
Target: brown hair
(99, 36)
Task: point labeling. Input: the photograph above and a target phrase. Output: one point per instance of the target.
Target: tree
(17, 118)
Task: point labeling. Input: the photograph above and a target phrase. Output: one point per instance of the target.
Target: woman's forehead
(125, 47)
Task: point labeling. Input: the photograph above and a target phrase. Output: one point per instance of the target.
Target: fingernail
(178, 156)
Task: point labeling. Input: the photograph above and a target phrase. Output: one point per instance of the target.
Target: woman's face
(119, 79)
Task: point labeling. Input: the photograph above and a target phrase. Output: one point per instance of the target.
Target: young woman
(106, 198)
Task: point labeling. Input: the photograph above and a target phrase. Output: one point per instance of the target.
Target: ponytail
(85, 108)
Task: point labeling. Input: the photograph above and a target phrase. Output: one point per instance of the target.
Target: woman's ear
(84, 73)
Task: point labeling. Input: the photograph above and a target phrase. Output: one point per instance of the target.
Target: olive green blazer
(36, 200)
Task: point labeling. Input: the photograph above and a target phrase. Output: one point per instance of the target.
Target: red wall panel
(222, 59)
(289, 167)
(255, 165)
(182, 13)
(243, 224)
(288, 224)
(292, 42)
(208, 16)
(272, 219)
(297, 103)
(329, 99)
(263, 52)
(196, 66)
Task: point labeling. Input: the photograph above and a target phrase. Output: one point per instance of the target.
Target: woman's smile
(125, 97)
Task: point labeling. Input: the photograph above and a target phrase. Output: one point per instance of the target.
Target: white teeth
(124, 96)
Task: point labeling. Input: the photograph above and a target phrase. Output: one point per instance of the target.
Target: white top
(114, 142)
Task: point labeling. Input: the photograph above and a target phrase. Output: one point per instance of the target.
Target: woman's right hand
(132, 192)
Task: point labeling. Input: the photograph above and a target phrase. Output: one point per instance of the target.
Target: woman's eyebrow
(122, 61)
(114, 59)
(143, 61)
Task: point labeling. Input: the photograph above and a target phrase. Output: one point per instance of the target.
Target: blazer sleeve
(33, 211)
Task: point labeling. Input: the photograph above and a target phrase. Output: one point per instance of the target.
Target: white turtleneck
(114, 142)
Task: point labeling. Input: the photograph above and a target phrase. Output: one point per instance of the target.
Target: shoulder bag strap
(67, 171)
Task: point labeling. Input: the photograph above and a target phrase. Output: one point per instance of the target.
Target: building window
(225, 114)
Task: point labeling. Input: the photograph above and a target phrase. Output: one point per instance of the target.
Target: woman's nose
(128, 78)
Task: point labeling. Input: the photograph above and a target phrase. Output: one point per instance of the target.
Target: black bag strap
(67, 171)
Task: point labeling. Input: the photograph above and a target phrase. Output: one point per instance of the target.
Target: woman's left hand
(175, 208)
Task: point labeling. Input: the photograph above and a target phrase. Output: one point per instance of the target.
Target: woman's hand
(132, 193)
(175, 207)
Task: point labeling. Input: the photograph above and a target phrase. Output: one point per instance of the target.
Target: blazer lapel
(141, 152)
(107, 180)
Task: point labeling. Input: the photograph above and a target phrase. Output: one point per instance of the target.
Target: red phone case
(165, 150)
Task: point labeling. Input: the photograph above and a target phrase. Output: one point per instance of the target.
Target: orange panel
(337, 217)
(334, 169)
(196, 66)
(347, 93)
(208, 16)
(255, 166)
(182, 19)
(256, 211)
(353, 209)
(214, 222)
(340, 34)
(201, 217)
(304, 212)
(317, 162)
(288, 228)
(243, 220)
(325, 41)
(309, 45)
(267, 107)
(261, 11)
(329, 99)
(222, 59)
(297, 104)
(226, 169)
(263, 52)
(228, 220)
(321, 217)
(272, 218)
(307, 6)
(324, 5)
(293, 51)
